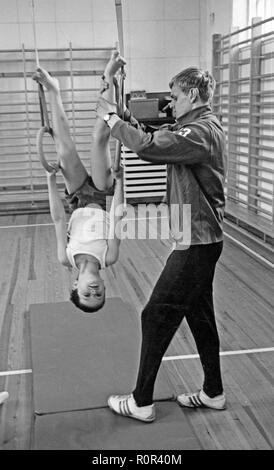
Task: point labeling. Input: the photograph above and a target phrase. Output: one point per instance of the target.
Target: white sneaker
(201, 399)
(3, 397)
(125, 405)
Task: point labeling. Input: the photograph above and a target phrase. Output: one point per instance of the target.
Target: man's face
(181, 103)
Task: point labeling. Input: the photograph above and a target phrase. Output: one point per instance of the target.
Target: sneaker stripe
(122, 407)
(195, 400)
(126, 407)
(199, 401)
(192, 400)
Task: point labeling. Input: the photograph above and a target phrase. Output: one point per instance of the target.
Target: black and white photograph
(137, 229)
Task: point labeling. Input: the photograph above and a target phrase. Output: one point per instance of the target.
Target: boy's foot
(114, 64)
(201, 400)
(3, 397)
(125, 405)
(43, 77)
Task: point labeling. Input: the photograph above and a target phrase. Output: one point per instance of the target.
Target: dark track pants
(184, 289)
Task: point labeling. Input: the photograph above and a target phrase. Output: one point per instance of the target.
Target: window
(245, 10)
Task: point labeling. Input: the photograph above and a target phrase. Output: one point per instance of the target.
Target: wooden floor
(243, 292)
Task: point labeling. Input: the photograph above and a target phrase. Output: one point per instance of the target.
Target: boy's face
(91, 290)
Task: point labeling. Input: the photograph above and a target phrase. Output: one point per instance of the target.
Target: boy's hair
(74, 297)
(193, 77)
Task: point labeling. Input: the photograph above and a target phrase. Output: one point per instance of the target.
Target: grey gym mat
(80, 359)
(104, 430)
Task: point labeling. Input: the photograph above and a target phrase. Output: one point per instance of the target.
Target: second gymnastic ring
(39, 145)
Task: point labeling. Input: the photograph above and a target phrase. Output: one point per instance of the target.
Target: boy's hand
(55, 168)
(119, 174)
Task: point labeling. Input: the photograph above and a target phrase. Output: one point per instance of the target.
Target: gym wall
(160, 36)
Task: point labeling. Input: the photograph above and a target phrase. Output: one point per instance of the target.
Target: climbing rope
(45, 124)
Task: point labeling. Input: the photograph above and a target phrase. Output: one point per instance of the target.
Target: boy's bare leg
(72, 168)
(101, 158)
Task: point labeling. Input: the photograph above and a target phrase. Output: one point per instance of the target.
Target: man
(194, 151)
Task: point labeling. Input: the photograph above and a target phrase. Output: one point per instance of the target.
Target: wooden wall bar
(22, 177)
(243, 66)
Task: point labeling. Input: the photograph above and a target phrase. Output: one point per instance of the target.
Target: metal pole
(119, 18)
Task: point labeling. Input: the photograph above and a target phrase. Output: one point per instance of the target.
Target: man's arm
(116, 214)
(58, 216)
(128, 117)
(188, 145)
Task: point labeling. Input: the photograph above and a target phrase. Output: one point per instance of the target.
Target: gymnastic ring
(39, 146)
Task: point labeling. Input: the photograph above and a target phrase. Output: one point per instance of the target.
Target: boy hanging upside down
(90, 242)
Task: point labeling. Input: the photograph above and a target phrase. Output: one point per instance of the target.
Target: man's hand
(104, 107)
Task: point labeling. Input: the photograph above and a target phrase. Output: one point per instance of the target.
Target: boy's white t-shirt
(88, 231)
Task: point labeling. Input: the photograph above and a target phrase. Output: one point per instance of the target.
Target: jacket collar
(194, 114)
